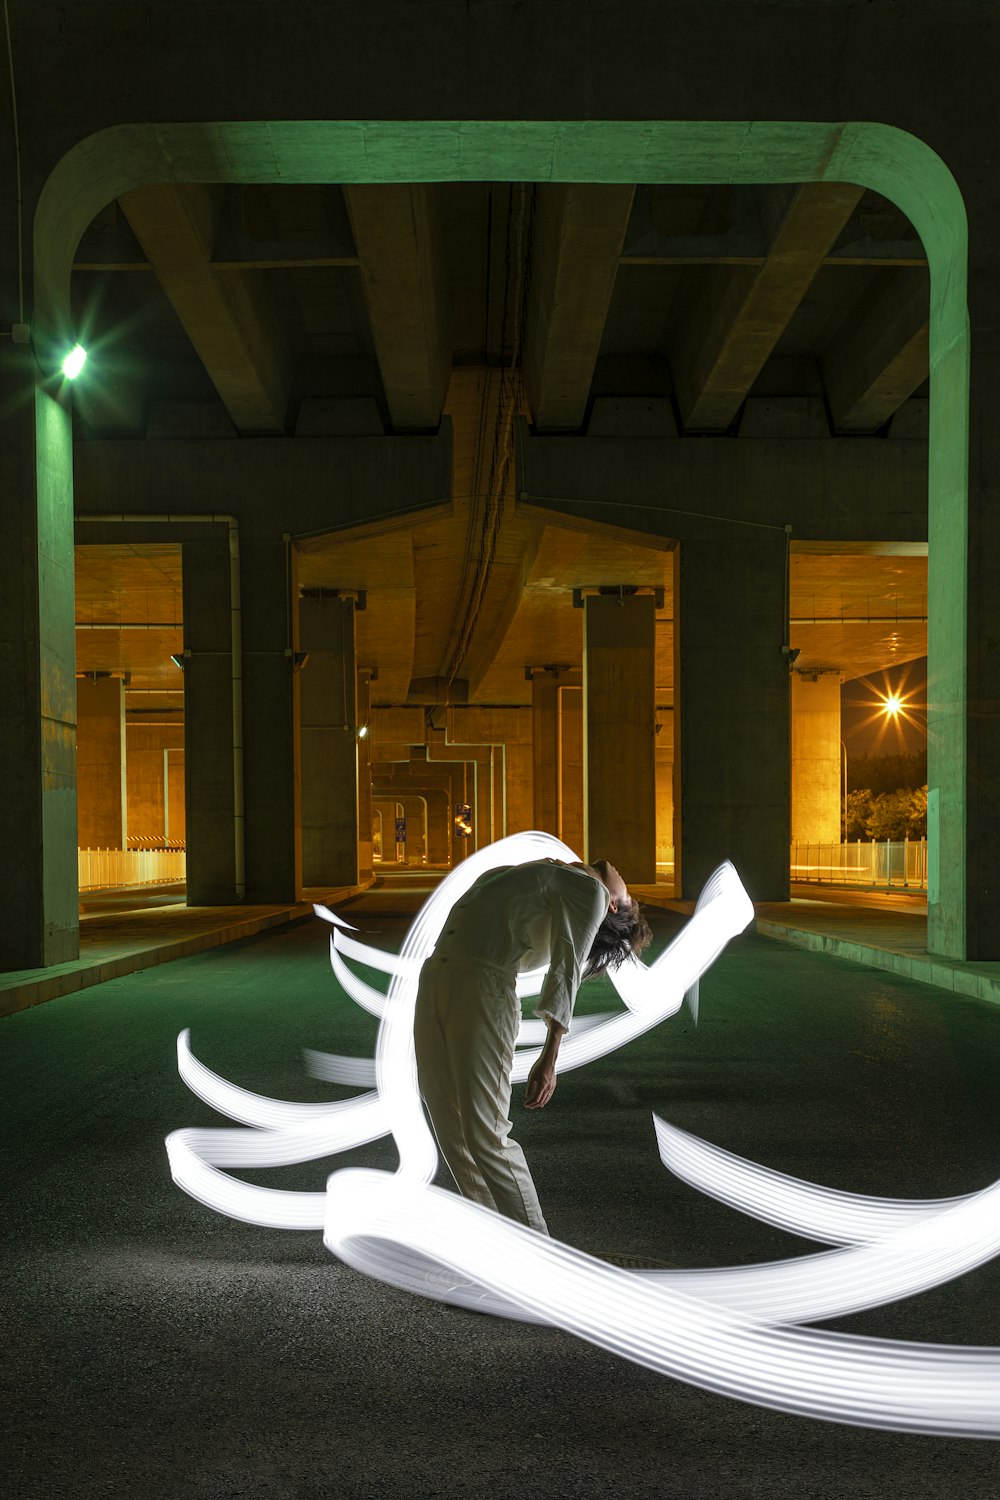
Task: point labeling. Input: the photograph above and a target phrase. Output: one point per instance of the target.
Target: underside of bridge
(570, 505)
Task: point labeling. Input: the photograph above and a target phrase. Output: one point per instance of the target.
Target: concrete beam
(370, 485)
(880, 354)
(577, 237)
(399, 241)
(228, 315)
(734, 317)
(833, 489)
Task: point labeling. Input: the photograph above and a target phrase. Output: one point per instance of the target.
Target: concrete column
(556, 725)
(569, 767)
(817, 784)
(175, 819)
(384, 816)
(733, 699)
(501, 742)
(102, 817)
(517, 766)
(154, 780)
(37, 706)
(208, 721)
(619, 683)
(544, 753)
(269, 724)
(664, 751)
(438, 828)
(415, 813)
(328, 743)
(364, 717)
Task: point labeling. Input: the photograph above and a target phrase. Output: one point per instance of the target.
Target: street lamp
(843, 827)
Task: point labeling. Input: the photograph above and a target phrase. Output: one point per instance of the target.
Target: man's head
(624, 933)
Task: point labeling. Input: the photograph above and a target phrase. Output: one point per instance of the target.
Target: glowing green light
(74, 362)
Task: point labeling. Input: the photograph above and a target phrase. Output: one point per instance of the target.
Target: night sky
(866, 730)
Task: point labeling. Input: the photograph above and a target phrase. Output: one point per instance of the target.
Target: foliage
(886, 773)
(895, 815)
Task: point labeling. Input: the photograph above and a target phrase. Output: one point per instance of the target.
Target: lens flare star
(731, 1330)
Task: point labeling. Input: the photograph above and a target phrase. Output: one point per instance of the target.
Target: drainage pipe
(236, 638)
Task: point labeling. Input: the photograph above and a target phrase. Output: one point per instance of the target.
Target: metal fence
(105, 869)
(882, 864)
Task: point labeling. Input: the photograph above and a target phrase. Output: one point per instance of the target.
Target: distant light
(892, 705)
(362, 731)
(74, 362)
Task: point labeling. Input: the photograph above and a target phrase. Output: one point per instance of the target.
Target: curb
(943, 973)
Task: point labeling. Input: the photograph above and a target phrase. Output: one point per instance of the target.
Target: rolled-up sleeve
(578, 905)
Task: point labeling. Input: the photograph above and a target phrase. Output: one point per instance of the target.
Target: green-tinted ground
(157, 1349)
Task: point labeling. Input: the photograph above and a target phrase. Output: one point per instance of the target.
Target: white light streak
(723, 1329)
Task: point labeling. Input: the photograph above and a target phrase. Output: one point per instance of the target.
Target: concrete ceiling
(292, 310)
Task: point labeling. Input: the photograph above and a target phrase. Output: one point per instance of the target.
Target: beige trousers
(465, 1027)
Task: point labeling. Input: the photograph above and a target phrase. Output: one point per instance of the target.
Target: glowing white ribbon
(707, 1327)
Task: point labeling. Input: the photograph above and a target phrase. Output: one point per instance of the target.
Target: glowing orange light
(892, 705)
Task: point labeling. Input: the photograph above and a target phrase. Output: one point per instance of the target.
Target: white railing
(103, 869)
(880, 863)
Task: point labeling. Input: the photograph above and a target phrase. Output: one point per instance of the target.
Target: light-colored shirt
(521, 917)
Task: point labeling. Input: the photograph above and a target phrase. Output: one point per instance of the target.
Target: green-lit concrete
(155, 1348)
(892, 161)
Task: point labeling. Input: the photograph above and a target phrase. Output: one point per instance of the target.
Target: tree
(859, 811)
(897, 815)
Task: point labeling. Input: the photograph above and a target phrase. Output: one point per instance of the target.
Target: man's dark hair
(623, 934)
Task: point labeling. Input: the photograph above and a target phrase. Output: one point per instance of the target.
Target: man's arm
(542, 1078)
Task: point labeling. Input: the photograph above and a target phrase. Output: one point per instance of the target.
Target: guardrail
(106, 869)
(883, 864)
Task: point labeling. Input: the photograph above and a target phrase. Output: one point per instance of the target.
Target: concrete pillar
(388, 809)
(557, 758)
(569, 767)
(208, 721)
(732, 703)
(37, 706)
(175, 818)
(501, 741)
(438, 827)
(619, 683)
(269, 723)
(415, 813)
(364, 716)
(817, 781)
(154, 780)
(328, 743)
(517, 769)
(102, 817)
(376, 834)
(664, 752)
(544, 753)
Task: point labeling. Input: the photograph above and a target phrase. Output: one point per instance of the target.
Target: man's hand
(541, 1084)
(542, 1078)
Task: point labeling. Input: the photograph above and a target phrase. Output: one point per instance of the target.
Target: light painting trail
(727, 1329)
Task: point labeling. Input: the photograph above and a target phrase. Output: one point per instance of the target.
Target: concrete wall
(149, 799)
(816, 758)
(100, 764)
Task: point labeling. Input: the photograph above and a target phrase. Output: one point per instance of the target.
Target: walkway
(124, 931)
(882, 930)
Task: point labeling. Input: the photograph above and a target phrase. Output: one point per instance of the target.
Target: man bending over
(580, 920)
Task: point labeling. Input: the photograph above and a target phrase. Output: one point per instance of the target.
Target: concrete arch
(881, 157)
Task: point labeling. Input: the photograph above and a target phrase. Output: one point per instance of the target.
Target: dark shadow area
(158, 1349)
